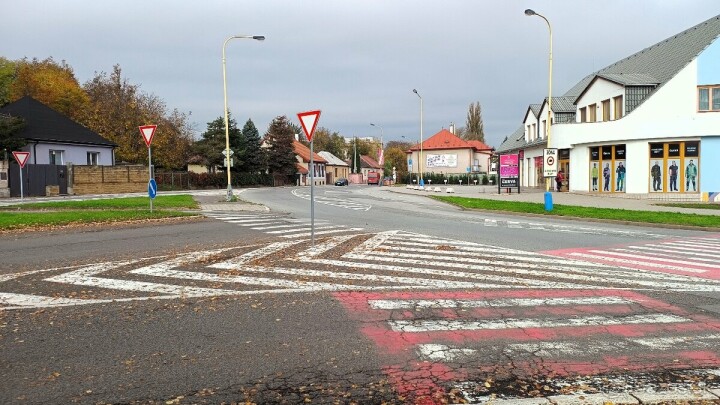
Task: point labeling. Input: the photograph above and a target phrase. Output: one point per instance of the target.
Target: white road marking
(254, 255)
(637, 256)
(27, 300)
(635, 262)
(496, 303)
(323, 232)
(299, 229)
(511, 323)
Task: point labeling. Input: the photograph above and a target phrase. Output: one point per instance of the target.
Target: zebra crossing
(278, 225)
(547, 227)
(392, 260)
(697, 256)
(332, 200)
(578, 343)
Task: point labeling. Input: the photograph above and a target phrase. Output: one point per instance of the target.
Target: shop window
(674, 167)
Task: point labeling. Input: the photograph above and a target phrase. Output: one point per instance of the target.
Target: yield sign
(147, 132)
(309, 121)
(21, 158)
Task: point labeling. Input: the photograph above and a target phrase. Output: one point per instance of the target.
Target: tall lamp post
(227, 130)
(381, 133)
(421, 183)
(380, 154)
(548, 125)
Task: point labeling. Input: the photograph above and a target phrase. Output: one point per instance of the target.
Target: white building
(647, 124)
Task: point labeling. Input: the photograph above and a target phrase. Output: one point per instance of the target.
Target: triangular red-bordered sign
(308, 121)
(21, 157)
(147, 132)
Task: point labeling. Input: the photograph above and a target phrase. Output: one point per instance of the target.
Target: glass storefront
(674, 167)
(607, 169)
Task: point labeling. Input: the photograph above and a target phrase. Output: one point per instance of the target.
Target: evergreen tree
(281, 158)
(9, 126)
(253, 156)
(212, 144)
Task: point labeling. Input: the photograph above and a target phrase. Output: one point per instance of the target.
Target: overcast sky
(356, 60)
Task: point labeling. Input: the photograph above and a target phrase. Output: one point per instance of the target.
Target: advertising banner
(509, 172)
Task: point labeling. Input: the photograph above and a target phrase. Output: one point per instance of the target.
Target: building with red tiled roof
(447, 153)
(302, 153)
(368, 164)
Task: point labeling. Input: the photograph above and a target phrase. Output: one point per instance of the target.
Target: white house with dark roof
(53, 138)
(647, 124)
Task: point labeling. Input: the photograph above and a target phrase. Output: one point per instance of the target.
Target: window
(529, 134)
(534, 131)
(93, 158)
(606, 110)
(618, 107)
(583, 114)
(544, 128)
(709, 98)
(56, 157)
(592, 109)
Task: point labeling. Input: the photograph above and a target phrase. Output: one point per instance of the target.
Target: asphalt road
(401, 299)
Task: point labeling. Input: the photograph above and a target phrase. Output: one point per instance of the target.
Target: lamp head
(259, 37)
(529, 12)
(415, 91)
(371, 124)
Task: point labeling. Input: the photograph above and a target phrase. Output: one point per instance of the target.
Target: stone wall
(107, 179)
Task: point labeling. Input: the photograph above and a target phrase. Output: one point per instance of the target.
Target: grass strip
(698, 206)
(22, 220)
(182, 201)
(653, 217)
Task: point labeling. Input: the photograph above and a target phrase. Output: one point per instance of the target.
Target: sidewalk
(536, 195)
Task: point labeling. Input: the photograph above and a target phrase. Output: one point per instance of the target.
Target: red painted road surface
(479, 326)
(695, 257)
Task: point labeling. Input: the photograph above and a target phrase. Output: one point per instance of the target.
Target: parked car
(341, 182)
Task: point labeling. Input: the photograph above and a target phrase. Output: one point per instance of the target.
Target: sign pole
(148, 132)
(21, 185)
(308, 121)
(312, 196)
(21, 158)
(150, 176)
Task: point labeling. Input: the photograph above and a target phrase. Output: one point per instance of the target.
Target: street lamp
(227, 130)
(548, 180)
(381, 133)
(381, 143)
(422, 183)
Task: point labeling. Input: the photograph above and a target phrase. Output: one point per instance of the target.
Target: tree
(7, 76)
(280, 154)
(53, 84)
(253, 156)
(396, 157)
(212, 144)
(115, 110)
(474, 124)
(9, 126)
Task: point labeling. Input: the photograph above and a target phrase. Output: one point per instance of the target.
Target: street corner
(464, 346)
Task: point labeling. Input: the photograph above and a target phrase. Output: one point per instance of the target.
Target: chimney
(452, 128)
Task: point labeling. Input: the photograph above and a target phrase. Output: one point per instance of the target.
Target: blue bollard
(548, 201)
